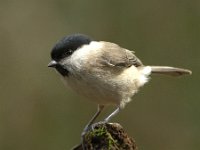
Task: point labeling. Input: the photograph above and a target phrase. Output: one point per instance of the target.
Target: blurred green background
(38, 113)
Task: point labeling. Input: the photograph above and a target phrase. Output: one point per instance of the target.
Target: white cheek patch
(86, 50)
(81, 56)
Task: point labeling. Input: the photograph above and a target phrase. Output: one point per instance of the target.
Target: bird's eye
(68, 53)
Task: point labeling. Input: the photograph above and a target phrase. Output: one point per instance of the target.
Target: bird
(103, 72)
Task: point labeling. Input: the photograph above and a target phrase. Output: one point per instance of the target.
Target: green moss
(103, 135)
(111, 141)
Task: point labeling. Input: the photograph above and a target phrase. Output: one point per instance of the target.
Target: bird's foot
(92, 127)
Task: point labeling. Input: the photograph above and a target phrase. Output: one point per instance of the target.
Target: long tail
(172, 71)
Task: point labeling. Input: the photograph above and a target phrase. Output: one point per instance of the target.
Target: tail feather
(172, 71)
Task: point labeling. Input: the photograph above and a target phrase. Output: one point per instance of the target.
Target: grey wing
(115, 56)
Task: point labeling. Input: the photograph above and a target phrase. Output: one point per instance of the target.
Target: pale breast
(103, 84)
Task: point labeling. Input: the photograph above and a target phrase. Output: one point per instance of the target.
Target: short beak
(53, 64)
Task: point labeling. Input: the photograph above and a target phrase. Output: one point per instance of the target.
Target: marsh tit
(103, 72)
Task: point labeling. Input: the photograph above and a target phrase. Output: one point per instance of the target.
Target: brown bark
(106, 136)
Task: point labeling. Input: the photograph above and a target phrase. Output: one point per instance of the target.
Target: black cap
(67, 45)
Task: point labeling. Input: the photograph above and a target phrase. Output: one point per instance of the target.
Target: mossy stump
(106, 136)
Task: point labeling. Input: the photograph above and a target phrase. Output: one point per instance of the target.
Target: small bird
(103, 72)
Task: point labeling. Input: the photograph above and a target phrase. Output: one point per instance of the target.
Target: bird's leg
(99, 110)
(116, 111)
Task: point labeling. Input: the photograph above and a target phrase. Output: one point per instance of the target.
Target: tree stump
(106, 136)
